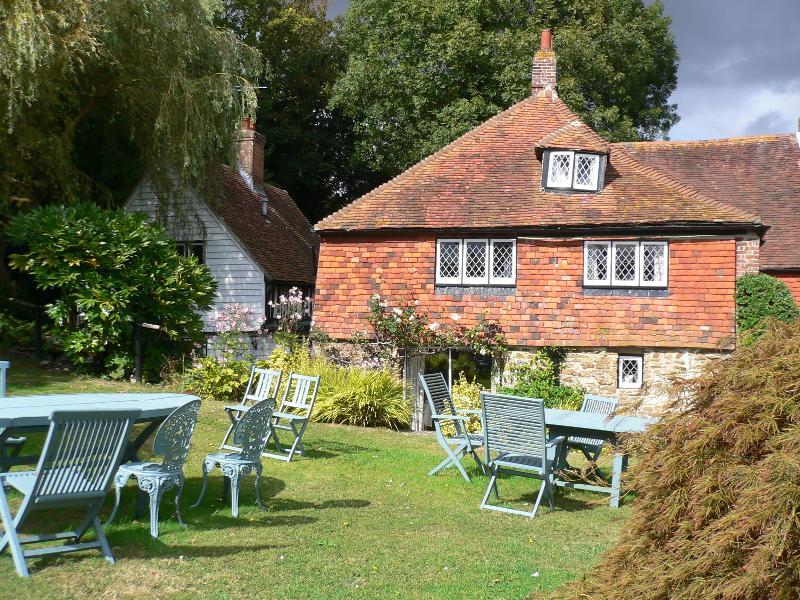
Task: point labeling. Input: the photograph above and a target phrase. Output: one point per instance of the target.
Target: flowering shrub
(404, 327)
(466, 396)
(539, 379)
(291, 310)
(234, 326)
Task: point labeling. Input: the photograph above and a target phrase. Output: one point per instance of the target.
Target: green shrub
(760, 297)
(539, 379)
(15, 333)
(111, 269)
(466, 396)
(717, 488)
(213, 379)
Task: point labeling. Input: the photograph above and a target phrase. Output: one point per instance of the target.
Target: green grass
(357, 518)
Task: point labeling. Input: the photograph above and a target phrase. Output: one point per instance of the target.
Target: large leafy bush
(539, 379)
(111, 269)
(759, 297)
(718, 488)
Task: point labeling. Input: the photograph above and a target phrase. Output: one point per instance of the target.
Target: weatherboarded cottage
(253, 237)
(624, 254)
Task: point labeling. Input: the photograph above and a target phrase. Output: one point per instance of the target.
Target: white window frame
(586, 280)
(665, 280)
(592, 186)
(503, 280)
(554, 154)
(640, 362)
(449, 280)
(636, 261)
(475, 280)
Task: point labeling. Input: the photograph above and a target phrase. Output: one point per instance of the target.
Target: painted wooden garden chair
(80, 456)
(591, 447)
(514, 435)
(10, 447)
(263, 384)
(172, 442)
(250, 436)
(293, 415)
(444, 411)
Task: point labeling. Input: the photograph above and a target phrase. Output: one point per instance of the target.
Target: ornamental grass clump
(717, 513)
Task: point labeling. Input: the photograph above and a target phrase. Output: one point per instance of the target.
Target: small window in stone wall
(629, 372)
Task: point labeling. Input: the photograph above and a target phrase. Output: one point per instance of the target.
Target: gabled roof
(283, 244)
(572, 136)
(759, 174)
(491, 177)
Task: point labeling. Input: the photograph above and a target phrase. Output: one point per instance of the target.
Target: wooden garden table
(580, 424)
(20, 414)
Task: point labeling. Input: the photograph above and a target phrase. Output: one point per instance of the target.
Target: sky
(739, 72)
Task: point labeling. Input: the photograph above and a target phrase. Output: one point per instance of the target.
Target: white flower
(384, 304)
(397, 311)
(411, 318)
(416, 302)
(433, 326)
(455, 317)
(483, 351)
(376, 296)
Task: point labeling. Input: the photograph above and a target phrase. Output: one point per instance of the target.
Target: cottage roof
(491, 177)
(758, 174)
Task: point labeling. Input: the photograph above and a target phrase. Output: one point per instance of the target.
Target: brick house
(621, 253)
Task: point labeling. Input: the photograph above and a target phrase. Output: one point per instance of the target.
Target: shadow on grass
(322, 449)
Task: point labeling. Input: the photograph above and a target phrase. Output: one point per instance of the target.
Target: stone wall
(748, 252)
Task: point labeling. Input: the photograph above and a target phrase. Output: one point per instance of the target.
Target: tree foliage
(761, 296)
(94, 93)
(110, 269)
(717, 488)
(422, 72)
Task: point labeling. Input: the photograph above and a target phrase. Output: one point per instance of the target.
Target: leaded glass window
(586, 169)
(560, 172)
(597, 263)
(475, 261)
(625, 263)
(503, 261)
(448, 263)
(654, 263)
(629, 374)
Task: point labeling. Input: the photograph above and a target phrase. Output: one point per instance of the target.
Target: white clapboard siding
(240, 279)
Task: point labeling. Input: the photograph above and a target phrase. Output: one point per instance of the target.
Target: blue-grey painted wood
(293, 415)
(172, 442)
(515, 442)
(443, 410)
(10, 448)
(589, 446)
(80, 456)
(250, 436)
(4, 365)
(262, 384)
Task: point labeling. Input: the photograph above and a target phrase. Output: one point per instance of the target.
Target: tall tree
(422, 72)
(94, 93)
(308, 145)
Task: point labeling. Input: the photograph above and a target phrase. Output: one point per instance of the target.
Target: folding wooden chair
(80, 456)
(592, 447)
(442, 409)
(172, 441)
(263, 384)
(514, 431)
(250, 435)
(10, 447)
(293, 414)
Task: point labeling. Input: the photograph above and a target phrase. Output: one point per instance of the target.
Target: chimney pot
(543, 71)
(547, 39)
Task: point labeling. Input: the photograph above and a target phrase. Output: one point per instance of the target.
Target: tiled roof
(759, 174)
(572, 136)
(283, 244)
(491, 178)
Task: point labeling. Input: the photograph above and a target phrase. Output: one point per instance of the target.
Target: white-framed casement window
(476, 261)
(573, 170)
(196, 249)
(629, 372)
(626, 263)
(448, 261)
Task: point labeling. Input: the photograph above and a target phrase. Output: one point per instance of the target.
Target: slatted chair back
(263, 383)
(597, 405)
(4, 366)
(253, 429)
(439, 399)
(175, 435)
(80, 456)
(300, 394)
(513, 425)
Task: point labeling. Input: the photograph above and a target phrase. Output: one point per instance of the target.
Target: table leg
(136, 444)
(620, 464)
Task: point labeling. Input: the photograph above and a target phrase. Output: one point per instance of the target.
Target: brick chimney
(543, 73)
(251, 152)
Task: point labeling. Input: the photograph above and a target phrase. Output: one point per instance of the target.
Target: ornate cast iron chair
(172, 442)
(80, 456)
(250, 435)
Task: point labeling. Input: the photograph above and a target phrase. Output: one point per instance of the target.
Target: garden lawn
(357, 518)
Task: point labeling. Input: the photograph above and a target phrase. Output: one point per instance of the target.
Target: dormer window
(570, 170)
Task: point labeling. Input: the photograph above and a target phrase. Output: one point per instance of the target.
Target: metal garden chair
(80, 456)
(250, 435)
(443, 410)
(263, 384)
(514, 431)
(172, 442)
(294, 414)
(591, 447)
(11, 447)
